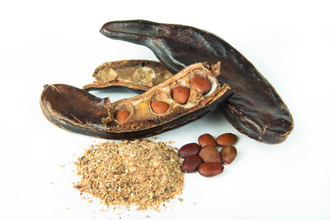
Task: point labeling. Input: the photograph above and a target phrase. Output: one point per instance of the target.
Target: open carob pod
(255, 109)
(135, 74)
(150, 113)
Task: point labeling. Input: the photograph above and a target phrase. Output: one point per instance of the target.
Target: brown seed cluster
(144, 173)
(205, 158)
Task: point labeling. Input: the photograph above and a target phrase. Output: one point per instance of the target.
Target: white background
(44, 42)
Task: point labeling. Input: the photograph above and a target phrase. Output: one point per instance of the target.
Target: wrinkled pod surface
(79, 111)
(255, 109)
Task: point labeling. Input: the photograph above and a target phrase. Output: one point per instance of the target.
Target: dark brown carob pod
(79, 111)
(255, 109)
(74, 109)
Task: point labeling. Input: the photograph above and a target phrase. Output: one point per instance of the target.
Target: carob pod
(135, 74)
(255, 109)
(79, 111)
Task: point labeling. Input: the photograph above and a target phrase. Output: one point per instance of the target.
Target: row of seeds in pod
(180, 94)
(205, 157)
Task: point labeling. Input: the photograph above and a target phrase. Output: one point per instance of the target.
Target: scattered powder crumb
(143, 173)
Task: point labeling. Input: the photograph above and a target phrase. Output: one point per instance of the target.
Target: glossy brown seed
(189, 149)
(227, 139)
(122, 115)
(181, 94)
(228, 154)
(200, 84)
(159, 107)
(206, 139)
(210, 169)
(210, 154)
(191, 163)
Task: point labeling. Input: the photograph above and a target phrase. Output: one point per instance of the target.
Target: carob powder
(144, 173)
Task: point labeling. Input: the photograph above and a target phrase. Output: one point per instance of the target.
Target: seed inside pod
(143, 75)
(122, 115)
(106, 75)
(159, 107)
(181, 94)
(200, 84)
(161, 77)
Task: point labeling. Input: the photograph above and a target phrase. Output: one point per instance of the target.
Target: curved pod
(78, 111)
(255, 109)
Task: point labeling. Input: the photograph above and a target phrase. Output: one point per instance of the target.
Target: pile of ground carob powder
(145, 173)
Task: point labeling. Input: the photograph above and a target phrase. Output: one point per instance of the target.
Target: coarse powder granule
(144, 173)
